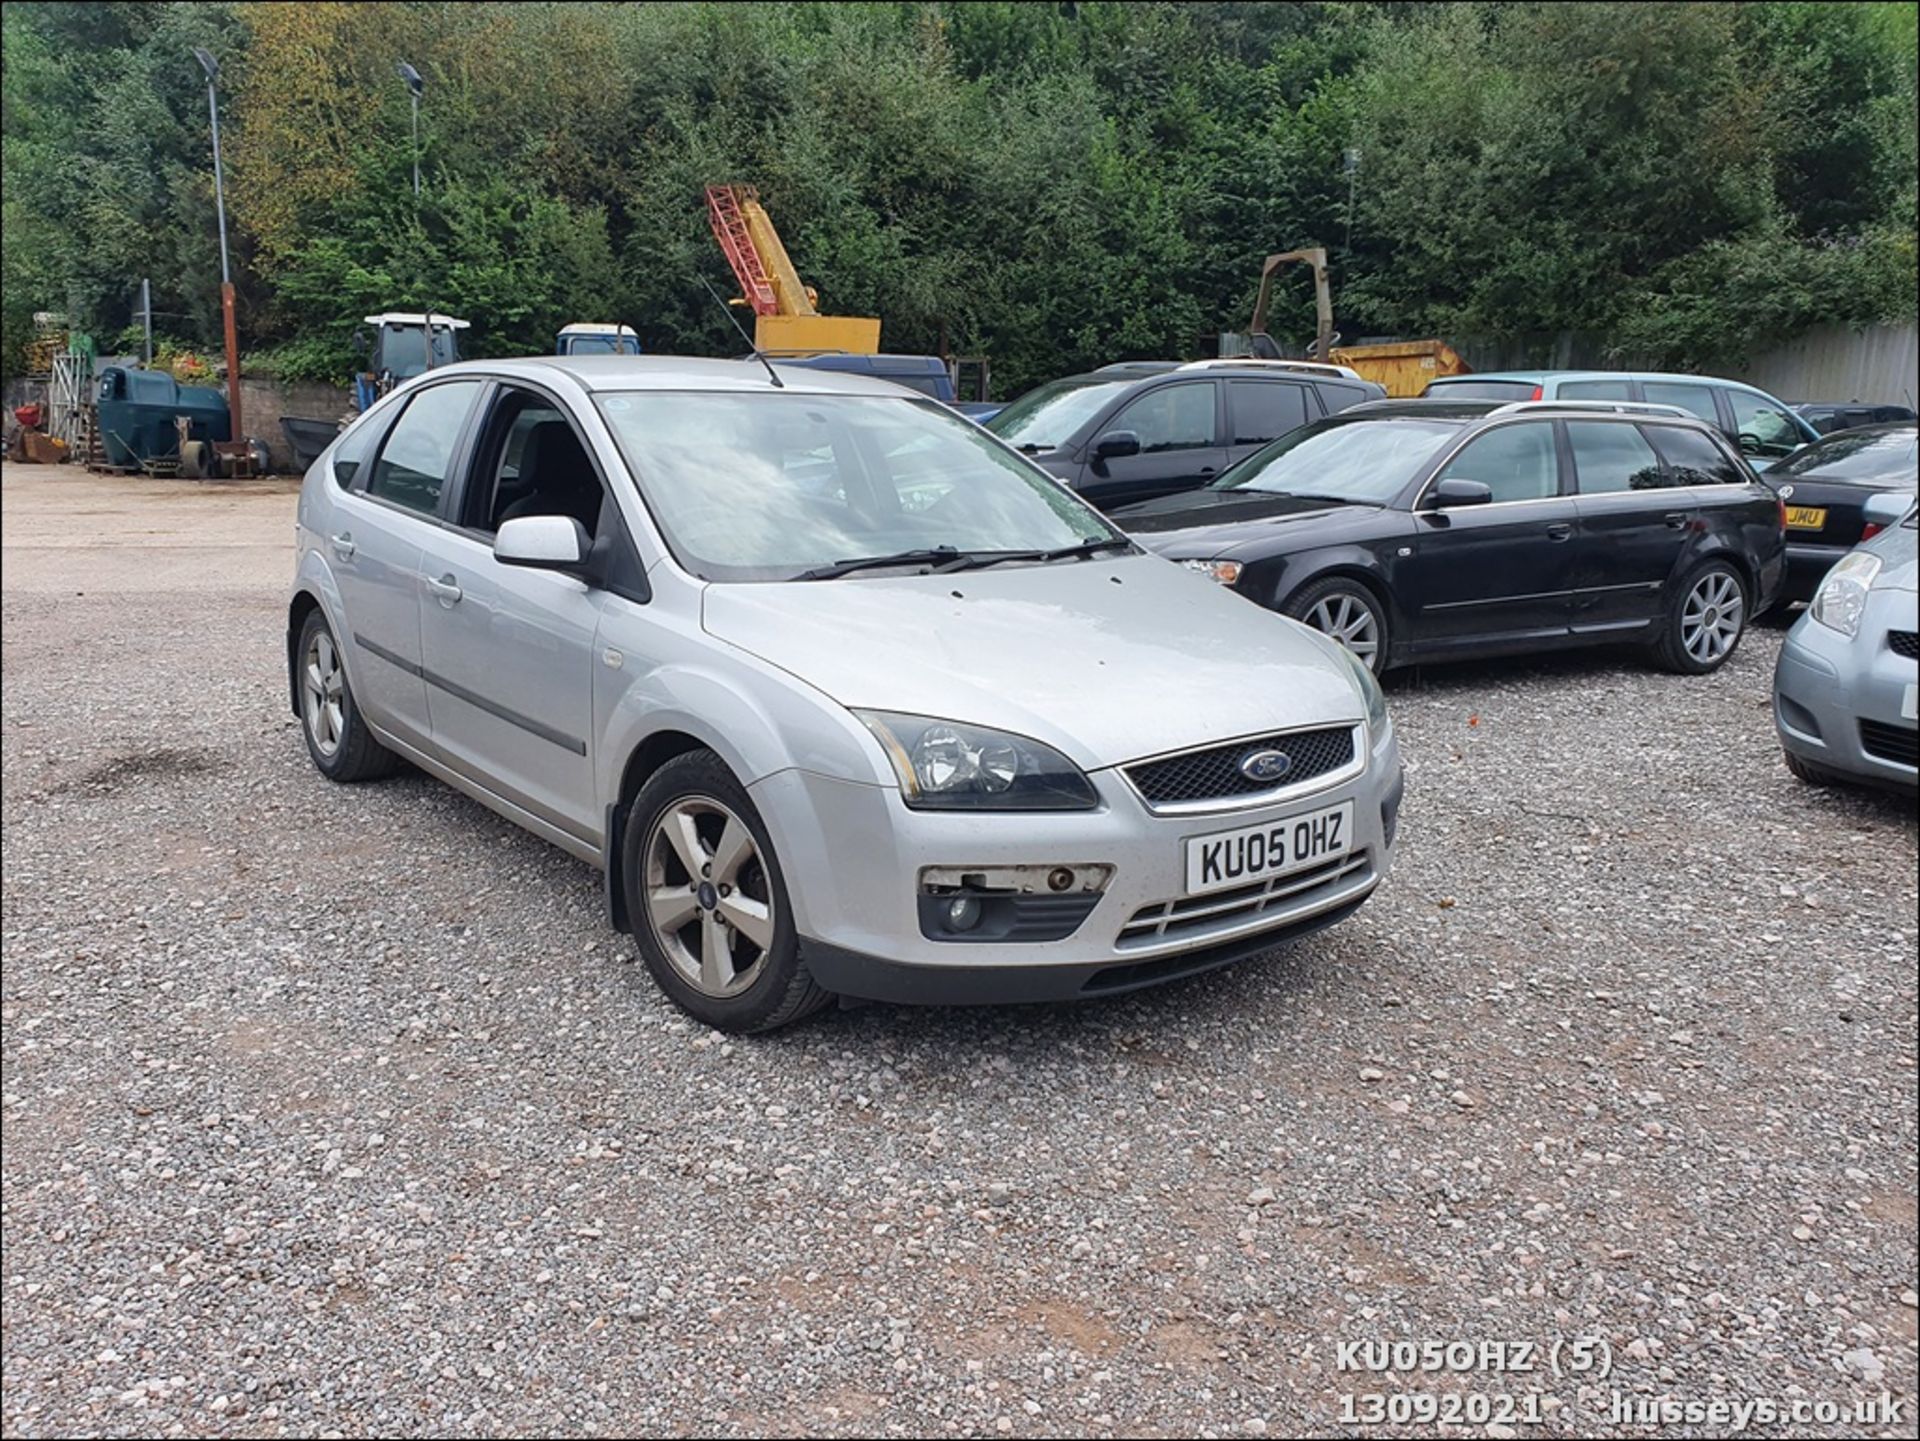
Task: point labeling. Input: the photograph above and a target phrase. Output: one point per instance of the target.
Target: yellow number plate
(1806, 517)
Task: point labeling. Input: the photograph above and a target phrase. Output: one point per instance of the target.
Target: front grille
(1214, 774)
(1280, 895)
(1904, 642)
(1899, 744)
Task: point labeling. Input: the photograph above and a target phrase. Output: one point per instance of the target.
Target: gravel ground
(340, 1109)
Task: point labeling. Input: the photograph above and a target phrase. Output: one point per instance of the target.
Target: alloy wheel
(1346, 618)
(707, 896)
(323, 689)
(1711, 619)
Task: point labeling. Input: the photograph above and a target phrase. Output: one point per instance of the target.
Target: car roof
(1536, 377)
(1440, 408)
(675, 372)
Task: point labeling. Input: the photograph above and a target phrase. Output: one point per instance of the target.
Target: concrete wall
(263, 402)
(1876, 365)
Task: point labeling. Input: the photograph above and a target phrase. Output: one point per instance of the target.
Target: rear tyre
(342, 747)
(1345, 611)
(196, 460)
(709, 903)
(1706, 616)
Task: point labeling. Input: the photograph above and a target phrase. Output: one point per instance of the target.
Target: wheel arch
(1347, 567)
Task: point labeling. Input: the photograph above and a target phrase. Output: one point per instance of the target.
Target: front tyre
(709, 903)
(1345, 611)
(342, 747)
(1705, 620)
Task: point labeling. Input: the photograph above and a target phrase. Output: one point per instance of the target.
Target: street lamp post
(414, 86)
(212, 67)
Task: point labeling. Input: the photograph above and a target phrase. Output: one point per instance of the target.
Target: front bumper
(1840, 703)
(852, 854)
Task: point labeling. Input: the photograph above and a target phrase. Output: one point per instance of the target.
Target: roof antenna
(732, 319)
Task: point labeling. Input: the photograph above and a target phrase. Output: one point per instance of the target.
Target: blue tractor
(404, 344)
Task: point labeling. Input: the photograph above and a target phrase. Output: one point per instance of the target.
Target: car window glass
(1362, 459)
(1515, 462)
(1264, 410)
(1693, 458)
(1763, 427)
(1874, 456)
(1174, 417)
(1593, 390)
(1610, 457)
(1480, 390)
(1694, 399)
(1048, 416)
(1334, 395)
(765, 487)
(353, 448)
(413, 465)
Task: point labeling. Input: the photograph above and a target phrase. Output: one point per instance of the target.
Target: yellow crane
(786, 320)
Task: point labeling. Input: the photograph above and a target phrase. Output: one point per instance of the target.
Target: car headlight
(1370, 691)
(1842, 597)
(948, 766)
(1224, 571)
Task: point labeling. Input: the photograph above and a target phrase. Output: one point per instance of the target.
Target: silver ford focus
(844, 696)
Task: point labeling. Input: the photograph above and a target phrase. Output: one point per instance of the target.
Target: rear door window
(1609, 457)
(1515, 462)
(1694, 399)
(1174, 417)
(1693, 458)
(418, 457)
(1264, 410)
(1593, 390)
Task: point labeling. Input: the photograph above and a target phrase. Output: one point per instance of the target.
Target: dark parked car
(1828, 418)
(1417, 530)
(1119, 437)
(1826, 486)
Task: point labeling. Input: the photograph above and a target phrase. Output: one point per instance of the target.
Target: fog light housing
(963, 913)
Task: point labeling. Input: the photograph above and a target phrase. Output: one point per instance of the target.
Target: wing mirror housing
(543, 542)
(1117, 445)
(1450, 493)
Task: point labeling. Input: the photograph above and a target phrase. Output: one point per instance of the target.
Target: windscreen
(1368, 461)
(1868, 456)
(1047, 417)
(758, 486)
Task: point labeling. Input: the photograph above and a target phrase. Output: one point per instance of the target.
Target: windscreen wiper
(941, 557)
(1309, 495)
(974, 560)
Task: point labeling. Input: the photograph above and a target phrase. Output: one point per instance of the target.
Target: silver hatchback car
(842, 693)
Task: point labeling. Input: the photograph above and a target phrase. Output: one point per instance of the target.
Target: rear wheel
(342, 747)
(1348, 612)
(1705, 620)
(708, 901)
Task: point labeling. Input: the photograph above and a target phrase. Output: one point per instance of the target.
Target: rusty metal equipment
(1316, 257)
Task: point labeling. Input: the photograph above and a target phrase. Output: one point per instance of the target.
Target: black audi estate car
(1425, 530)
(1140, 429)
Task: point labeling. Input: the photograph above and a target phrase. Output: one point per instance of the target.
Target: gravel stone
(338, 1110)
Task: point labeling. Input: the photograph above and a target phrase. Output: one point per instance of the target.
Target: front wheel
(1704, 622)
(709, 903)
(1346, 611)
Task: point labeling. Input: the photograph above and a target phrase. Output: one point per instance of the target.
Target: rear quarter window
(1693, 458)
(1335, 395)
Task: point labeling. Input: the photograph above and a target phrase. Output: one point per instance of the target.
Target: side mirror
(1886, 509)
(1116, 445)
(542, 542)
(1449, 493)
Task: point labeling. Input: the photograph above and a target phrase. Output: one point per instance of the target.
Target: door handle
(1560, 530)
(1676, 520)
(342, 544)
(446, 588)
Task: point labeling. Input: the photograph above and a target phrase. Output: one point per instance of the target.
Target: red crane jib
(730, 229)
